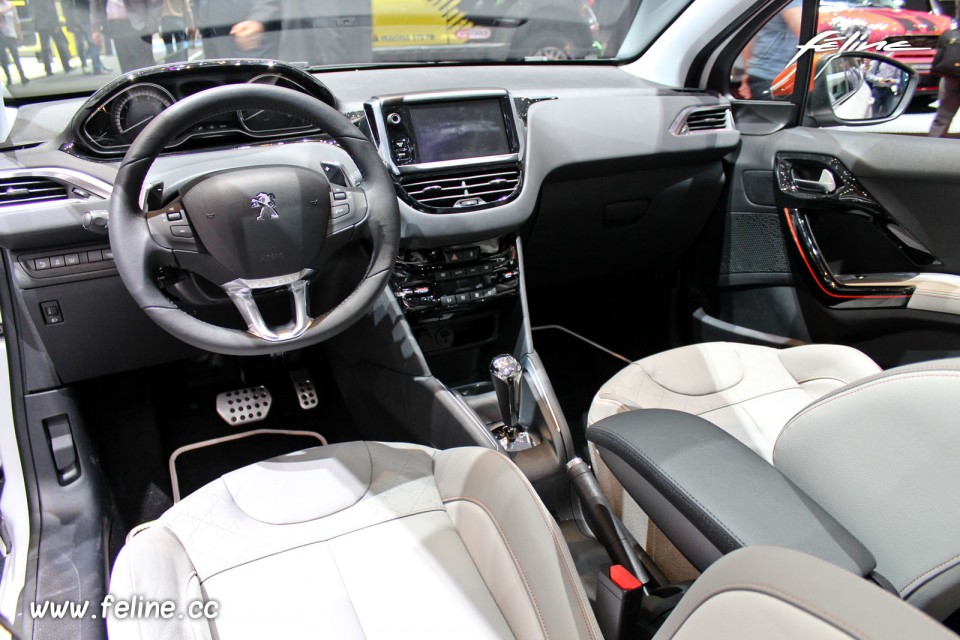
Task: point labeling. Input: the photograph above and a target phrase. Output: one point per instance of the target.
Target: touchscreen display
(457, 130)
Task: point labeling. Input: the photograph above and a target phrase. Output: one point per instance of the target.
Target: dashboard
(480, 155)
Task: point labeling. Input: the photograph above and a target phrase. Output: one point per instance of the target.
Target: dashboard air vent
(708, 119)
(29, 190)
(464, 189)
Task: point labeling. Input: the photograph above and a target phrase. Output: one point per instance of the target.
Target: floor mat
(137, 422)
(196, 464)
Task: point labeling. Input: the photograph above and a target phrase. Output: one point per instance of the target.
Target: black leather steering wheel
(250, 229)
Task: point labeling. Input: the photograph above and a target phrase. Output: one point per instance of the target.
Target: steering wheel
(253, 229)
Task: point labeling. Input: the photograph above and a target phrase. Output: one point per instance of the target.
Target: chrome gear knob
(506, 372)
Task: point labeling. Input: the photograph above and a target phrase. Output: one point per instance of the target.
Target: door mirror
(857, 88)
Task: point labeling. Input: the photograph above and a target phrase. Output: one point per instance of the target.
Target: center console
(450, 151)
(450, 280)
(447, 354)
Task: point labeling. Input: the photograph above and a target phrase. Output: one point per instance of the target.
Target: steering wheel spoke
(241, 292)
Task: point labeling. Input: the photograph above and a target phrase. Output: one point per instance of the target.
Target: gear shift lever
(506, 373)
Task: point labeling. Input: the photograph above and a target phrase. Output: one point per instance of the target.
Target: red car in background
(917, 23)
(867, 25)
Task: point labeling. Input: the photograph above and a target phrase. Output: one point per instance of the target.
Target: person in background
(327, 33)
(77, 15)
(10, 39)
(949, 97)
(239, 28)
(46, 21)
(131, 24)
(175, 25)
(885, 82)
(770, 51)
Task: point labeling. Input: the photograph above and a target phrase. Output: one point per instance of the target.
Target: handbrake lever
(605, 525)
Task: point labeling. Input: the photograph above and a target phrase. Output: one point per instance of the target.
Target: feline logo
(267, 204)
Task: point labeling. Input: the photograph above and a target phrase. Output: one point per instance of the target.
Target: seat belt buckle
(619, 595)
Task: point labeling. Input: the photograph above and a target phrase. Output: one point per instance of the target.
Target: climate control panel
(442, 280)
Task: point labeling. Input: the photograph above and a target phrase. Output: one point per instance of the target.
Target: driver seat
(375, 541)
(359, 540)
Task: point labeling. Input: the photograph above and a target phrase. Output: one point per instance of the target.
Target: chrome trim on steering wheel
(241, 292)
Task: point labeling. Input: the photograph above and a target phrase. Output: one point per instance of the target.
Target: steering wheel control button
(339, 195)
(304, 388)
(341, 210)
(174, 216)
(181, 231)
(240, 406)
(51, 312)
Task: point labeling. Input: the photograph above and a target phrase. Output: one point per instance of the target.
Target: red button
(623, 578)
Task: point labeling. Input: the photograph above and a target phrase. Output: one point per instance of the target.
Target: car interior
(524, 348)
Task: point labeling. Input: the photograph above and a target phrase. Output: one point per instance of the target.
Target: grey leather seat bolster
(768, 592)
(711, 495)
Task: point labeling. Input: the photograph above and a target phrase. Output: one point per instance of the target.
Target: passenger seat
(749, 391)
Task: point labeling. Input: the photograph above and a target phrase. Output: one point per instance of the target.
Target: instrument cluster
(114, 116)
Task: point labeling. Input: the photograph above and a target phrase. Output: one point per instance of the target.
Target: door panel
(861, 227)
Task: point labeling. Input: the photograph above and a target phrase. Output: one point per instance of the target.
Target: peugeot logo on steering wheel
(267, 204)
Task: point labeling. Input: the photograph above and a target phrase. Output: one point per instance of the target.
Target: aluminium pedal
(241, 406)
(304, 388)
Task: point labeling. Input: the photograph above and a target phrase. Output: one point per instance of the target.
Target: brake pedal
(241, 406)
(304, 388)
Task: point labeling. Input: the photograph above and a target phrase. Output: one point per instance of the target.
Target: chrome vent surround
(701, 119)
(30, 189)
(39, 187)
(463, 189)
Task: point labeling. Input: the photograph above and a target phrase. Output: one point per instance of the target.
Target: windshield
(60, 47)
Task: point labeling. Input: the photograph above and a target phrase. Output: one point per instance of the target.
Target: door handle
(826, 183)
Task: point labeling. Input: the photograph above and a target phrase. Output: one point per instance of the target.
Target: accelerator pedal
(242, 406)
(304, 388)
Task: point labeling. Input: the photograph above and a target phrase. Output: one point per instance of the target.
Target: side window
(764, 69)
(908, 31)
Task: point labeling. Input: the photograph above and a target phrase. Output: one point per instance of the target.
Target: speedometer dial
(265, 121)
(136, 107)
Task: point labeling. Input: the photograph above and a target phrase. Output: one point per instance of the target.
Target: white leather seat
(768, 592)
(748, 391)
(371, 540)
(360, 540)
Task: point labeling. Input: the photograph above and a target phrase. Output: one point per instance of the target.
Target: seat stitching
(928, 573)
(824, 377)
(642, 458)
(796, 387)
(319, 541)
(516, 560)
(850, 392)
(556, 544)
